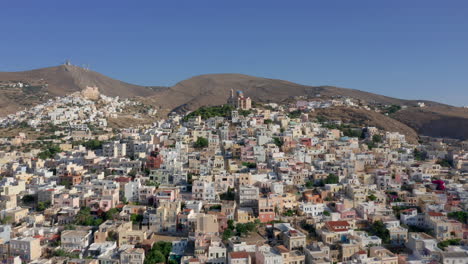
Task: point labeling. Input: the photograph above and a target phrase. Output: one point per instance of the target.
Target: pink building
(67, 200)
(266, 209)
(348, 214)
(99, 205)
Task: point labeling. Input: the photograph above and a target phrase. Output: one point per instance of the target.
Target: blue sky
(414, 49)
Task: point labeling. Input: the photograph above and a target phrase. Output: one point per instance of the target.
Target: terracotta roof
(282, 249)
(239, 255)
(435, 214)
(123, 179)
(338, 223)
(338, 226)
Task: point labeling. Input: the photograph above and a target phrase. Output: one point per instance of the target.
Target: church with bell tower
(239, 101)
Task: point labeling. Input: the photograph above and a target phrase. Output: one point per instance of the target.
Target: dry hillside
(213, 89)
(58, 81)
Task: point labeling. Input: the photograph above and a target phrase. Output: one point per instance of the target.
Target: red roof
(435, 214)
(338, 226)
(123, 179)
(239, 255)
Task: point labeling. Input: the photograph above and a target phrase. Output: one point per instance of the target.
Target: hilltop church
(239, 101)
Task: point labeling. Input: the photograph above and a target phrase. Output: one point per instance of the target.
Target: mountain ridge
(59, 81)
(436, 119)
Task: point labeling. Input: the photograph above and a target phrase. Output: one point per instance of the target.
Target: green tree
(244, 112)
(289, 212)
(84, 217)
(155, 257)
(444, 163)
(450, 242)
(206, 112)
(27, 199)
(332, 179)
(230, 195)
(93, 144)
(377, 138)
(215, 207)
(231, 225)
(250, 165)
(348, 132)
(136, 218)
(159, 253)
(112, 236)
(321, 119)
(41, 206)
(201, 143)
(278, 142)
(111, 214)
(378, 229)
(309, 184)
(372, 197)
(461, 216)
(371, 145)
(392, 109)
(295, 114)
(241, 229)
(250, 226)
(228, 233)
(49, 152)
(419, 155)
(132, 173)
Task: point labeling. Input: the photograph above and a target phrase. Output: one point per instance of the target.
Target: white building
(202, 190)
(268, 255)
(114, 149)
(131, 190)
(312, 209)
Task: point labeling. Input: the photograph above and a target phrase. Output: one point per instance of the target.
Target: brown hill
(213, 89)
(58, 81)
(436, 121)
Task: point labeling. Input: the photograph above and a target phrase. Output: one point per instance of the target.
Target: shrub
(201, 143)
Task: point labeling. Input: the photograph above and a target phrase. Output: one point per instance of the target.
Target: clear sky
(414, 49)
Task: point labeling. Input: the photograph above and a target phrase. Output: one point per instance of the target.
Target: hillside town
(241, 183)
(76, 116)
